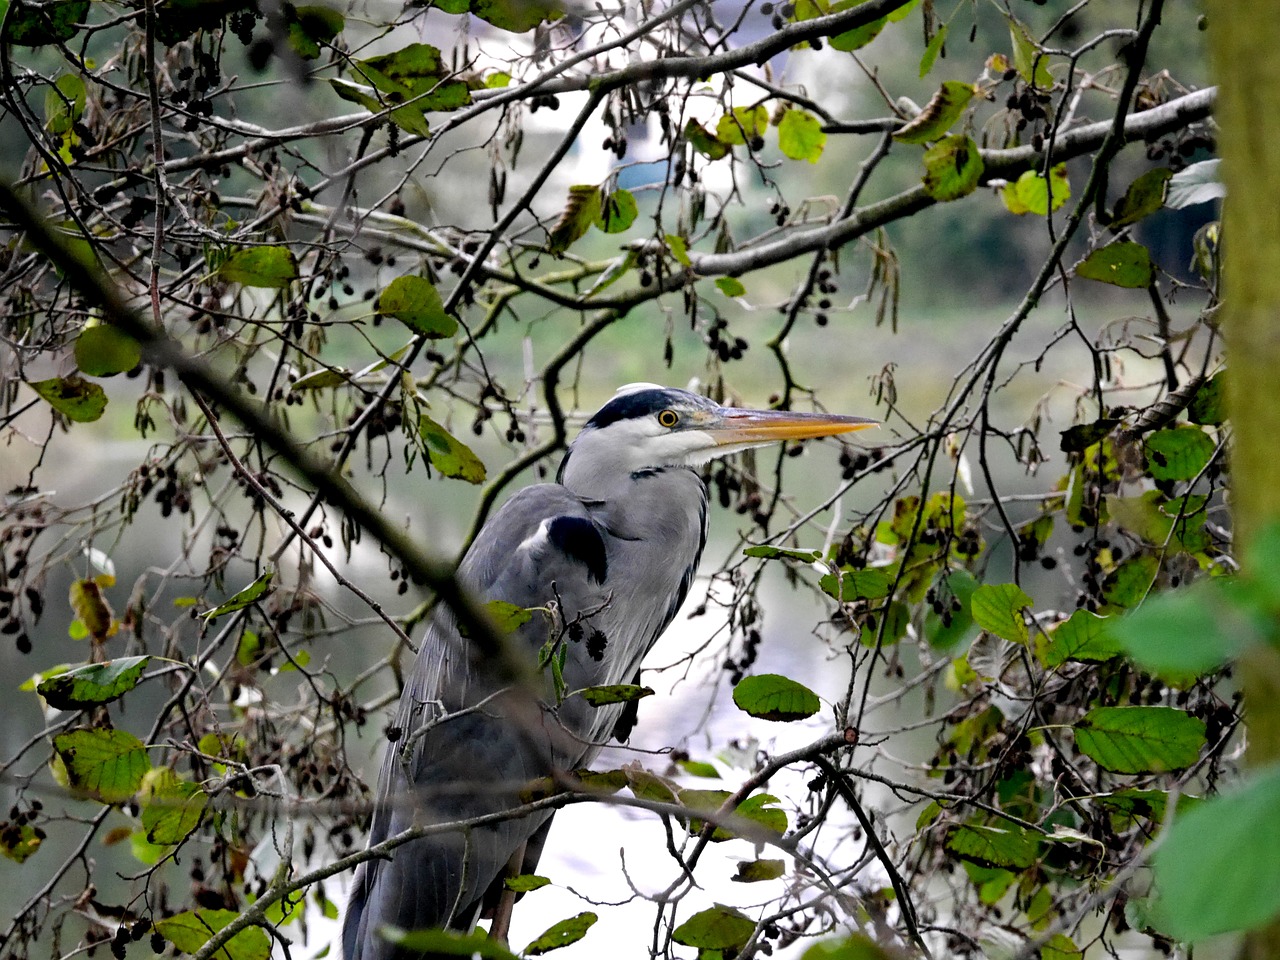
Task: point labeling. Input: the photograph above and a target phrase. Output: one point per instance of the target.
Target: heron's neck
(594, 472)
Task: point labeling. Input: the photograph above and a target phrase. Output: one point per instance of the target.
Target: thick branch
(999, 165)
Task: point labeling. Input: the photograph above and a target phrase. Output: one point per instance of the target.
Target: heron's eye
(668, 418)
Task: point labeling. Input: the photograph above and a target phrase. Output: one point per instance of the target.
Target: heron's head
(646, 426)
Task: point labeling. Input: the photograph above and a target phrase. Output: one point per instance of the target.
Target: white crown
(634, 387)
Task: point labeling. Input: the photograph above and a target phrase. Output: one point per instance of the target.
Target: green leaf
(298, 660)
(1082, 637)
(704, 141)
(79, 246)
(74, 398)
(645, 785)
(54, 21)
(416, 303)
(144, 852)
(761, 808)
(93, 683)
(943, 109)
(897, 617)
(311, 26)
(1060, 947)
(190, 931)
(719, 928)
(18, 842)
(706, 802)
(1190, 631)
(1208, 406)
(1005, 846)
(1140, 739)
(865, 583)
(230, 746)
(507, 617)
(322, 379)
(615, 693)
(517, 16)
(525, 883)
(932, 50)
(992, 883)
(855, 946)
(248, 649)
(731, 287)
(679, 248)
(449, 943)
(953, 166)
(104, 350)
(1145, 804)
(742, 124)
(800, 136)
(171, 807)
(409, 118)
(1144, 197)
(580, 212)
(929, 815)
(1128, 583)
(770, 696)
(753, 871)
(618, 211)
(1198, 183)
(649, 786)
(1032, 193)
(1218, 869)
(269, 267)
(1178, 453)
(699, 768)
(243, 598)
(64, 104)
(1124, 264)
(858, 37)
(562, 934)
(1027, 60)
(327, 377)
(1082, 436)
(450, 456)
(897, 15)
(415, 73)
(328, 909)
(997, 608)
(604, 782)
(109, 764)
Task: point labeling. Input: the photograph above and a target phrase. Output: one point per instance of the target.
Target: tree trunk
(1244, 40)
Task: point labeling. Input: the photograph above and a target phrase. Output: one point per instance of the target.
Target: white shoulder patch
(538, 540)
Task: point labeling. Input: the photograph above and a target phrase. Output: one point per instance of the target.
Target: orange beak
(750, 427)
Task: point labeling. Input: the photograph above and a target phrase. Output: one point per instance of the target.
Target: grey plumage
(612, 545)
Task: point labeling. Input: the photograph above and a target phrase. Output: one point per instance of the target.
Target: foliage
(225, 220)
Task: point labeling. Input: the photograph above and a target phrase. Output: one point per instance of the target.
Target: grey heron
(609, 551)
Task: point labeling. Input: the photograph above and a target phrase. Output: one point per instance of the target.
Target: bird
(603, 558)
